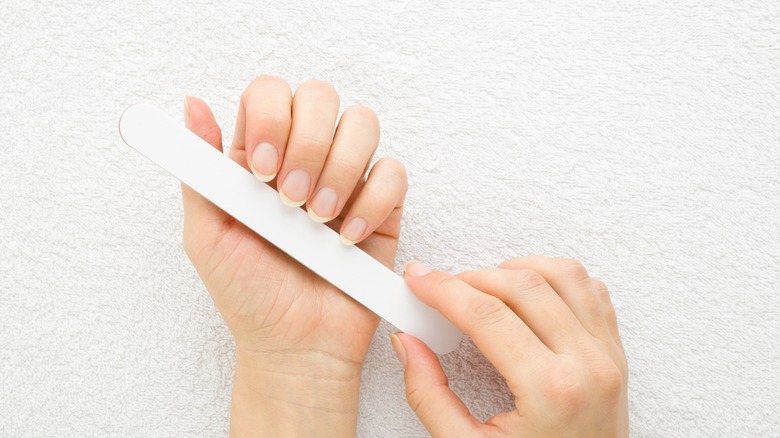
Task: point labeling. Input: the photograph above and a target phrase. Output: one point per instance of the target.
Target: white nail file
(232, 188)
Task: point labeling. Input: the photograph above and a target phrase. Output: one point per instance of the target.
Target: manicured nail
(295, 188)
(265, 158)
(399, 348)
(353, 231)
(323, 207)
(415, 269)
(187, 112)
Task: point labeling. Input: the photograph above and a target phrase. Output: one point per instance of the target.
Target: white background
(640, 137)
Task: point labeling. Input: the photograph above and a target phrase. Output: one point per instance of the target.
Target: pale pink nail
(265, 159)
(416, 269)
(323, 207)
(354, 231)
(295, 188)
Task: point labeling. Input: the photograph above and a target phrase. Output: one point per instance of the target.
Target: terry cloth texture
(642, 138)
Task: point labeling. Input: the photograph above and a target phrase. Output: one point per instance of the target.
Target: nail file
(154, 134)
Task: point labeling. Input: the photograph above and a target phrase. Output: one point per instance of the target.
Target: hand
(300, 342)
(547, 327)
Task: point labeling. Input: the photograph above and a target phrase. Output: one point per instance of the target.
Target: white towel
(643, 139)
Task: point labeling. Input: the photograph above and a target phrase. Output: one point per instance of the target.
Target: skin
(546, 326)
(300, 342)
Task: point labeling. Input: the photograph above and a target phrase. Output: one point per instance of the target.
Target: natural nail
(353, 231)
(265, 158)
(398, 346)
(295, 188)
(323, 207)
(416, 269)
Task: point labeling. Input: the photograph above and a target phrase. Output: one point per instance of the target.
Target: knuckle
(609, 379)
(467, 275)
(309, 144)
(262, 119)
(212, 135)
(509, 264)
(318, 87)
(261, 82)
(415, 397)
(518, 262)
(346, 167)
(608, 312)
(572, 268)
(567, 390)
(600, 287)
(443, 283)
(527, 279)
(392, 167)
(361, 113)
(488, 310)
(624, 366)
(602, 292)
(604, 299)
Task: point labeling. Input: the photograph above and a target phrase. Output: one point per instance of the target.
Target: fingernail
(415, 269)
(295, 188)
(265, 158)
(353, 231)
(323, 207)
(187, 112)
(399, 348)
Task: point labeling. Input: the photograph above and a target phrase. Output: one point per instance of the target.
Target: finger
(607, 309)
(530, 297)
(314, 110)
(237, 150)
(504, 339)
(427, 391)
(382, 194)
(265, 123)
(199, 213)
(355, 141)
(572, 283)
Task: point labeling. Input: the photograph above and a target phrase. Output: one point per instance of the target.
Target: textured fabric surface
(641, 138)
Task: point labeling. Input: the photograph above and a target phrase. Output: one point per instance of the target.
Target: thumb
(201, 217)
(438, 408)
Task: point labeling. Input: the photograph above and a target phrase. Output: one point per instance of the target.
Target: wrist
(294, 394)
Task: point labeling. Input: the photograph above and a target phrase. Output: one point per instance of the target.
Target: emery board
(154, 134)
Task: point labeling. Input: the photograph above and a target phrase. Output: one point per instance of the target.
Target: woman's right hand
(547, 327)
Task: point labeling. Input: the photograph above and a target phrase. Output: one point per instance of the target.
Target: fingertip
(260, 176)
(346, 241)
(196, 112)
(398, 347)
(406, 339)
(264, 161)
(199, 119)
(413, 268)
(427, 391)
(317, 218)
(411, 342)
(289, 202)
(419, 357)
(353, 230)
(193, 106)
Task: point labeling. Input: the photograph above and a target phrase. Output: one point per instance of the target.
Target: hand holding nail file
(225, 183)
